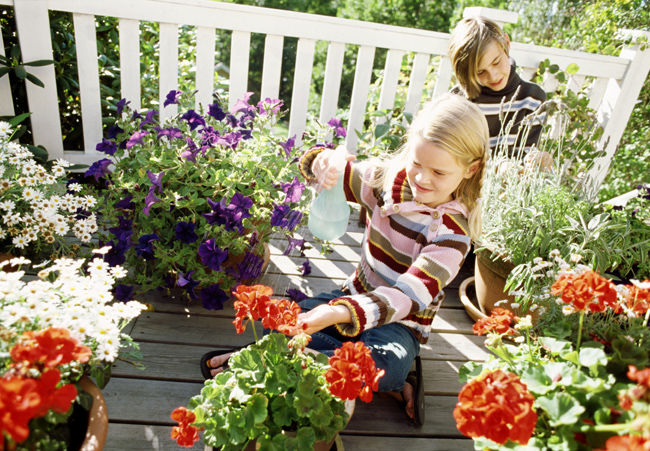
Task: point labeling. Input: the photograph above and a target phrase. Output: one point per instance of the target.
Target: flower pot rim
(470, 308)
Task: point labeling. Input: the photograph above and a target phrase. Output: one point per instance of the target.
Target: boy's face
(494, 67)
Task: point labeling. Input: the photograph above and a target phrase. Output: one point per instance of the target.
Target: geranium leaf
(303, 441)
(537, 380)
(322, 416)
(256, 408)
(553, 345)
(282, 412)
(592, 358)
(561, 408)
(305, 406)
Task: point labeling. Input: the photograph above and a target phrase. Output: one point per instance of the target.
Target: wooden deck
(174, 336)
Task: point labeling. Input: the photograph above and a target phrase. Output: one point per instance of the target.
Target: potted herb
(191, 203)
(54, 332)
(572, 379)
(275, 393)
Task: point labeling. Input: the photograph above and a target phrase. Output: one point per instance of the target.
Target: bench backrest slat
(205, 60)
(129, 35)
(272, 74)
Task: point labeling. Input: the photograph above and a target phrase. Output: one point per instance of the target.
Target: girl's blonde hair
(460, 128)
(467, 44)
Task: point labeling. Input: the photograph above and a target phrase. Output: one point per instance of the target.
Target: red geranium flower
(50, 347)
(499, 321)
(641, 377)
(251, 300)
(185, 434)
(353, 373)
(587, 291)
(627, 443)
(638, 299)
(498, 406)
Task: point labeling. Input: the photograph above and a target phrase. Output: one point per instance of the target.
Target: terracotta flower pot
(97, 418)
(490, 281)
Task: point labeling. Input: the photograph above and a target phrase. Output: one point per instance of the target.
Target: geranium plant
(187, 198)
(39, 205)
(275, 391)
(570, 378)
(52, 332)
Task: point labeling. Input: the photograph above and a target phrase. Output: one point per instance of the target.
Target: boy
(479, 52)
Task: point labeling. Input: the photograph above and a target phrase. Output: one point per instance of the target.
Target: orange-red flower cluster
(353, 373)
(254, 302)
(587, 291)
(499, 321)
(498, 406)
(49, 348)
(23, 398)
(627, 443)
(641, 391)
(185, 434)
(638, 299)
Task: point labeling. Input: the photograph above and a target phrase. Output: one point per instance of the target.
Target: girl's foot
(407, 398)
(217, 362)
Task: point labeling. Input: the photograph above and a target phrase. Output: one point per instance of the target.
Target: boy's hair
(460, 128)
(467, 44)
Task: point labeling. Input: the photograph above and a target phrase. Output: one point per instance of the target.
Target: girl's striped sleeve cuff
(356, 312)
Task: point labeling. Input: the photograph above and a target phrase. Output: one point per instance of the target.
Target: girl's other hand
(328, 163)
(319, 318)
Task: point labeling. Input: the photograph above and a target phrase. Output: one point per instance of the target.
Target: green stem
(254, 331)
(606, 427)
(582, 318)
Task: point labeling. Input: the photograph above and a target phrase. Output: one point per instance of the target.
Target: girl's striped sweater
(409, 253)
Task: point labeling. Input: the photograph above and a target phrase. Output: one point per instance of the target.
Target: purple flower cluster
(230, 215)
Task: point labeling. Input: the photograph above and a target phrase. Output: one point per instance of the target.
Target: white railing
(615, 81)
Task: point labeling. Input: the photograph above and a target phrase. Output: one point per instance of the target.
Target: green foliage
(267, 389)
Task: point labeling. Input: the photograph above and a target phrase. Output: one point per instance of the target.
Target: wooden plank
(239, 56)
(129, 32)
(90, 97)
(341, 253)
(416, 83)
(168, 67)
(361, 442)
(272, 68)
(360, 89)
(301, 87)
(391, 78)
(205, 56)
(332, 81)
(454, 347)
(139, 437)
(443, 77)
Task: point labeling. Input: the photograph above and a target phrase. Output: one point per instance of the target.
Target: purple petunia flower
(213, 297)
(294, 243)
(121, 104)
(106, 146)
(172, 98)
(242, 105)
(113, 131)
(296, 294)
(250, 267)
(156, 179)
(144, 248)
(269, 105)
(124, 225)
(229, 139)
(149, 118)
(170, 133)
(211, 255)
(293, 190)
(136, 138)
(150, 200)
(188, 283)
(339, 130)
(240, 204)
(185, 232)
(99, 169)
(193, 119)
(126, 203)
(216, 112)
(123, 293)
(306, 268)
(288, 146)
(284, 217)
(116, 254)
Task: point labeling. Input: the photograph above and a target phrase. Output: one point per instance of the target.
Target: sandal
(416, 380)
(205, 368)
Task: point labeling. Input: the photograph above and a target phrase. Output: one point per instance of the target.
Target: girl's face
(494, 67)
(434, 174)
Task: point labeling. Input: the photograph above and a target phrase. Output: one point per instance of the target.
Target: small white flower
(20, 242)
(575, 258)
(76, 187)
(8, 205)
(515, 305)
(554, 253)
(559, 301)
(520, 339)
(501, 302)
(641, 285)
(568, 309)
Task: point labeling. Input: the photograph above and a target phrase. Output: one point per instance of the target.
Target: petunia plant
(191, 202)
(570, 378)
(275, 392)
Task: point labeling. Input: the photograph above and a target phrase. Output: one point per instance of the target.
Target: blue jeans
(392, 346)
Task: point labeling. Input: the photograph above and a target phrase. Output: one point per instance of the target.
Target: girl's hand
(319, 318)
(328, 163)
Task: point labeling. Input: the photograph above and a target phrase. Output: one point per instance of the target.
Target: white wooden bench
(616, 81)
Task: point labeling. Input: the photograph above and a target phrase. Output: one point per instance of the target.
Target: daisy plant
(40, 208)
(276, 392)
(53, 330)
(571, 376)
(190, 202)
